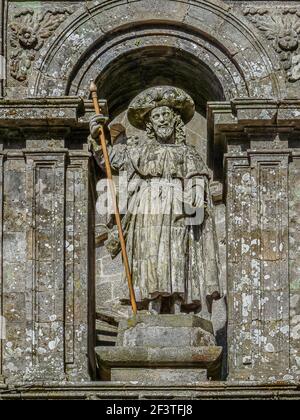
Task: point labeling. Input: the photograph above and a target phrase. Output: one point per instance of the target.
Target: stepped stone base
(162, 349)
(195, 358)
(165, 331)
(159, 376)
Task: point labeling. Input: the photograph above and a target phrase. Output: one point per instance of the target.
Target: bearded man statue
(169, 224)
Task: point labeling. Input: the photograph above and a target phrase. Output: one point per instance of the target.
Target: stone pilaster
(79, 266)
(2, 327)
(45, 188)
(258, 275)
(47, 231)
(257, 140)
(17, 269)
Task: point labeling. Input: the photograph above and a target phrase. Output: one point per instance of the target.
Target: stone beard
(173, 260)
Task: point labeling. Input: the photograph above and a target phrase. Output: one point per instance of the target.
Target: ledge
(125, 390)
(253, 113)
(244, 119)
(48, 112)
(201, 357)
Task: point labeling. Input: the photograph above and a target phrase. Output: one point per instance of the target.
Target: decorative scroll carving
(29, 31)
(283, 29)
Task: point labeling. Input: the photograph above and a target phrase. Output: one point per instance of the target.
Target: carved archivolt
(48, 47)
(283, 29)
(80, 46)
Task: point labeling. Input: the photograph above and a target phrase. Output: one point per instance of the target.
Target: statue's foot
(176, 304)
(177, 308)
(155, 306)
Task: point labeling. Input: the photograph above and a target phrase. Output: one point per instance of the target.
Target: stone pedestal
(162, 348)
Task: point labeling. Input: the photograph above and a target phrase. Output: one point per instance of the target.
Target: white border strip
(2, 68)
(2, 328)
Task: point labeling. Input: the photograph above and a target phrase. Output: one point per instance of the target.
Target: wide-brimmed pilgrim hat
(156, 97)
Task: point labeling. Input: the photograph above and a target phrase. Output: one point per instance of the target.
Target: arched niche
(140, 68)
(201, 47)
(125, 65)
(97, 34)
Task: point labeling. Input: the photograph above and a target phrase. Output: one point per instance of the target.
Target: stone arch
(94, 39)
(125, 64)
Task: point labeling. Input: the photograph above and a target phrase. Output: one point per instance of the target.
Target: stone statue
(172, 251)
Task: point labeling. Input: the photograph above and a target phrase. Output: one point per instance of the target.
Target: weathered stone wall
(262, 225)
(218, 51)
(294, 262)
(47, 242)
(44, 41)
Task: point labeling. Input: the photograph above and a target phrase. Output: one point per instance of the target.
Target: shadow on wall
(133, 72)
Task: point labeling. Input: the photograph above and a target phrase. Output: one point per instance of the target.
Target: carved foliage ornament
(283, 29)
(29, 31)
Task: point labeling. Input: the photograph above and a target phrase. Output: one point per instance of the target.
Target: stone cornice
(246, 119)
(71, 112)
(238, 114)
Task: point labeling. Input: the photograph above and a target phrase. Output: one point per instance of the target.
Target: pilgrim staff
(93, 90)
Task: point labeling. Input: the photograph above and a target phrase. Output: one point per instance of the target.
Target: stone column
(47, 227)
(258, 152)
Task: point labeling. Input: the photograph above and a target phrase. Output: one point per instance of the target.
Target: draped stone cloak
(167, 254)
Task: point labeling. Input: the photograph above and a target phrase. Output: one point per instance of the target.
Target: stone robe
(168, 255)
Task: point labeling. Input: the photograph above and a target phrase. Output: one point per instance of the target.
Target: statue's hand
(198, 197)
(96, 123)
(194, 193)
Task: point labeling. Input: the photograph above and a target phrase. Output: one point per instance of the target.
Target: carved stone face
(163, 122)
